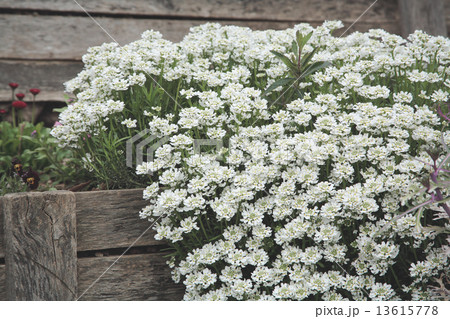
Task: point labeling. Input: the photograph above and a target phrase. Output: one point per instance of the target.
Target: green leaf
(306, 39)
(308, 57)
(60, 109)
(299, 37)
(313, 68)
(280, 82)
(285, 60)
(295, 48)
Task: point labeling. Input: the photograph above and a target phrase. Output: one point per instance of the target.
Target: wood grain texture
(2, 283)
(133, 277)
(70, 37)
(110, 219)
(2, 232)
(48, 76)
(426, 15)
(44, 96)
(40, 253)
(284, 10)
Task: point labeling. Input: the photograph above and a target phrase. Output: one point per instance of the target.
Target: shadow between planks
(109, 220)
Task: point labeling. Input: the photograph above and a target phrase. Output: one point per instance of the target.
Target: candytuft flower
(295, 194)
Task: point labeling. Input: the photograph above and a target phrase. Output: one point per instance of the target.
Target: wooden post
(426, 15)
(41, 251)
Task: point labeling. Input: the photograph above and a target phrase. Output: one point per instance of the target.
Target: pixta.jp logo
(144, 143)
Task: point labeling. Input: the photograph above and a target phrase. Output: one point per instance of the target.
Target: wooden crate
(56, 245)
(42, 41)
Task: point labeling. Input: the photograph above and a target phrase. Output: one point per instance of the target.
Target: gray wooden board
(44, 96)
(2, 283)
(132, 277)
(56, 37)
(291, 10)
(48, 76)
(426, 15)
(110, 219)
(40, 246)
(2, 233)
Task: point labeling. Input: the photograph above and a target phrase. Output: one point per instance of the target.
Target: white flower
(381, 292)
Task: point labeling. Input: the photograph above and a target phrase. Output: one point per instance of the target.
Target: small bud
(35, 91)
(20, 96)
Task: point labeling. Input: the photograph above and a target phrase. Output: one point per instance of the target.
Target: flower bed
(316, 146)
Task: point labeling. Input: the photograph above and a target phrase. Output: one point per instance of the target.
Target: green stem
(203, 227)
(33, 109)
(395, 277)
(13, 115)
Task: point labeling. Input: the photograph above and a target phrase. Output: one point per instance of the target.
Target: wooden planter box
(56, 245)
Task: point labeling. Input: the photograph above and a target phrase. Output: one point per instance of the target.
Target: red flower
(3, 111)
(19, 104)
(20, 96)
(13, 85)
(35, 91)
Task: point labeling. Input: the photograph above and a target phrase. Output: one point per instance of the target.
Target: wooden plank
(40, 252)
(2, 232)
(133, 277)
(426, 15)
(110, 219)
(44, 96)
(48, 76)
(59, 37)
(2, 283)
(281, 10)
(66, 37)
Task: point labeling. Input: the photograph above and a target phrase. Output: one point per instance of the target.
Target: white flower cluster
(300, 200)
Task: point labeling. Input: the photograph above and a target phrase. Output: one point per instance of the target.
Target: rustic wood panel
(47, 96)
(57, 37)
(2, 232)
(48, 76)
(284, 10)
(426, 15)
(40, 252)
(110, 219)
(2, 283)
(133, 277)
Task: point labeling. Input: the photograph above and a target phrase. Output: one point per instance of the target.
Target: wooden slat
(285, 10)
(110, 219)
(59, 37)
(2, 283)
(133, 277)
(44, 96)
(2, 232)
(426, 15)
(40, 246)
(48, 76)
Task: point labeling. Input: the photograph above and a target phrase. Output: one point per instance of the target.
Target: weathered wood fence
(56, 245)
(42, 41)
